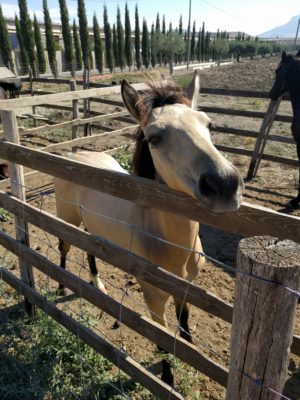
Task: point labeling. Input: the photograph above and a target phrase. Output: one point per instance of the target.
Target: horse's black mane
(158, 96)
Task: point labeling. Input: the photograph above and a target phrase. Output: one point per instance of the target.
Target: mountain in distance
(287, 30)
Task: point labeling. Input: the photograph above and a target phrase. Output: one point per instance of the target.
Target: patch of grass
(5, 215)
(124, 157)
(39, 359)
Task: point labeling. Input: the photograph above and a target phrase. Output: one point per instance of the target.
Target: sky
(250, 16)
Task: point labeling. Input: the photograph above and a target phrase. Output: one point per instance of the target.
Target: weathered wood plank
(124, 260)
(263, 317)
(74, 122)
(249, 220)
(119, 358)
(248, 153)
(83, 141)
(249, 133)
(242, 113)
(10, 127)
(65, 96)
(119, 257)
(141, 324)
(32, 181)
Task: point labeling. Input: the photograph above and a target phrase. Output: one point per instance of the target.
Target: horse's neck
(172, 228)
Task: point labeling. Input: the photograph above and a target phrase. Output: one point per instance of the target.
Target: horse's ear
(194, 89)
(132, 100)
(283, 56)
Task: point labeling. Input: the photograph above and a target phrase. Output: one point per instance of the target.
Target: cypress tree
(27, 34)
(67, 37)
(185, 46)
(23, 52)
(163, 32)
(198, 50)
(153, 46)
(108, 43)
(193, 41)
(163, 29)
(78, 55)
(115, 45)
(145, 44)
(120, 36)
(39, 46)
(203, 42)
(180, 33)
(128, 46)
(5, 48)
(157, 38)
(180, 30)
(84, 35)
(98, 45)
(50, 44)
(137, 41)
(207, 46)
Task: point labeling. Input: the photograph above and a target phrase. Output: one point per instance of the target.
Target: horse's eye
(155, 140)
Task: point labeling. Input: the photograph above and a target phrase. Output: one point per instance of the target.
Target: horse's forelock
(162, 94)
(159, 95)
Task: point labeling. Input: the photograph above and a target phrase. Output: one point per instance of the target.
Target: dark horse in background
(288, 80)
(11, 85)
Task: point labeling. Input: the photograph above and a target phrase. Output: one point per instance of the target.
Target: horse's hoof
(116, 325)
(168, 379)
(186, 336)
(62, 291)
(294, 203)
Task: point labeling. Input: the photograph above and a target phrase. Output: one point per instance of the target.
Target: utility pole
(294, 46)
(189, 37)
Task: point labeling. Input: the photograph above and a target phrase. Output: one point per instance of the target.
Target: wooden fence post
(264, 310)
(86, 101)
(16, 175)
(262, 137)
(75, 106)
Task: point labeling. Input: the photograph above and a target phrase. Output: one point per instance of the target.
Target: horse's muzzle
(221, 193)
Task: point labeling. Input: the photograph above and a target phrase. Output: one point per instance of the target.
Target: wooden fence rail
(123, 259)
(141, 324)
(249, 220)
(120, 358)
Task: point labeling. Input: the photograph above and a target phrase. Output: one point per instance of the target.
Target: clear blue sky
(250, 16)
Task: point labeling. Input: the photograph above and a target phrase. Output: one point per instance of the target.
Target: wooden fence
(249, 220)
(261, 136)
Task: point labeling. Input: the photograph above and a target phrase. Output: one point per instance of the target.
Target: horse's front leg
(95, 280)
(295, 202)
(182, 313)
(156, 301)
(64, 248)
(296, 134)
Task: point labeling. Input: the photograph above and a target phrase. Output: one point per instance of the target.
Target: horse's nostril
(208, 185)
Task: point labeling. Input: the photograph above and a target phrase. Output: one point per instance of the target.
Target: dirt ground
(273, 187)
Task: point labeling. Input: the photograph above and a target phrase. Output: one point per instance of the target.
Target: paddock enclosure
(33, 206)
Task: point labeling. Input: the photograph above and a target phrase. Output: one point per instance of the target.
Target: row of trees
(157, 46)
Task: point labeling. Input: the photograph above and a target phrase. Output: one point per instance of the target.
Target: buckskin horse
(288, 80)
(173, 147)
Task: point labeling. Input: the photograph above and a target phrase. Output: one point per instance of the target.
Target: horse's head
(174, 146)
(283, 75)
